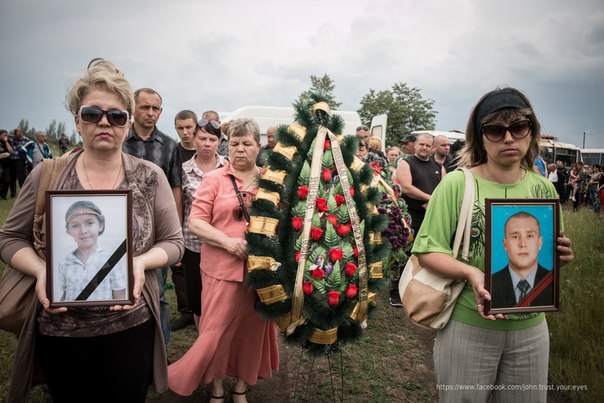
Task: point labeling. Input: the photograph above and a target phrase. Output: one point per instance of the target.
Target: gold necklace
(90, 183)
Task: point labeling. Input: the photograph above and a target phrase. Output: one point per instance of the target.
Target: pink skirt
(233, 340)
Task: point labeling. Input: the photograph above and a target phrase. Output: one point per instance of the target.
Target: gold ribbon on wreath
(313, 188)
(298, 298)
(354, 219)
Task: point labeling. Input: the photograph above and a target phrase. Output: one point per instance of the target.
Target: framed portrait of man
(89, 248)
(521, 261)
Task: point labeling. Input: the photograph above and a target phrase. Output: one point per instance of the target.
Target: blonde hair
(101, 75)
(375, 143)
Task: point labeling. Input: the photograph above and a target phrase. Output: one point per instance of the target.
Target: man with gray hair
(37, 149)
(265, 150)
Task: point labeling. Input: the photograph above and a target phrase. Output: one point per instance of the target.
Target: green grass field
(577, 336)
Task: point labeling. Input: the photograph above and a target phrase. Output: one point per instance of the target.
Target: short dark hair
(184, 115)
(411, 138)
(520, 214)
(146, 91)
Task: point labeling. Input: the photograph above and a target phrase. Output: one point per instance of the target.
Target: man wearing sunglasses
(146, 141)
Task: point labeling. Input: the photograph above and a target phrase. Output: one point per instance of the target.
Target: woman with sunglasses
(206, 139)
(233, 341)
(502, 142)
(100, 354)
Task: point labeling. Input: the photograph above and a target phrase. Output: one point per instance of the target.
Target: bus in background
(452, 135)
(552, 150)
(592, 156)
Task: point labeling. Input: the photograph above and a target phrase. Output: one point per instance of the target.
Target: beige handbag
(428, 299)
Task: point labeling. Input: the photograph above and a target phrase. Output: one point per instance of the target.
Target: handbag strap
(240, 198)
(51, 169)
(464, 224)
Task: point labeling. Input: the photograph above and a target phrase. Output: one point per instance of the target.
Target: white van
(268, 116)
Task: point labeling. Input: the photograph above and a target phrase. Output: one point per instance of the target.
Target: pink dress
(233, 340)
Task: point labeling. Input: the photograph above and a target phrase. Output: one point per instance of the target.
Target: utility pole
(583, 140)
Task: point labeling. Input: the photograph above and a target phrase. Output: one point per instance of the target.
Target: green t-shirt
(438, 231)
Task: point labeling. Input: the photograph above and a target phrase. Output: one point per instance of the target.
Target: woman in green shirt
(477, 354)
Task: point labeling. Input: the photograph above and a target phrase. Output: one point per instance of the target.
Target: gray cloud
(224, 55)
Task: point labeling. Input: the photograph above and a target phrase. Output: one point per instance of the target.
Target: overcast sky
(223, 55)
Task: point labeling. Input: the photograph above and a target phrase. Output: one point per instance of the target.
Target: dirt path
(400, 368)
(392, 362)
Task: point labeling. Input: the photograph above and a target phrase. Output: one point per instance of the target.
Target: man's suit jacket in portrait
(502, 291)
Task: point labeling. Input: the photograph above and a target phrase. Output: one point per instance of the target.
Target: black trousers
(180, 287)
(116, 367)
(4, 179)
(18, 173)
(190, 262)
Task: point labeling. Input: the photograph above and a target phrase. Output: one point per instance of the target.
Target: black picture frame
(89, 248)
(514, 229)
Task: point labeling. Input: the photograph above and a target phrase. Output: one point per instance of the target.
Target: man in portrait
(523, 281)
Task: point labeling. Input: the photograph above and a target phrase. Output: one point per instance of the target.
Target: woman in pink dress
(233, 340)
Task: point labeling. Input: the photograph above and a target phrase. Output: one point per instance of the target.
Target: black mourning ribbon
(102, 273)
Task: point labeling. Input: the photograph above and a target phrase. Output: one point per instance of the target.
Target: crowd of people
(583, 185)
(190, 214)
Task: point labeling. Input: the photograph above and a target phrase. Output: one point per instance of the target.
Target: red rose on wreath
(343, 230)
(298, 256)
(355, 251)
(351, 291)
(333, 220)
(318, 273)
(302, 192)
(322, 204)
(307, 287)
(377, 168)
(350, 269)
(352, 191)
(316, 233)
(326, 145)
(335, 254)
(326, 175)
(297, 223)
(340, 199)
(333, 297)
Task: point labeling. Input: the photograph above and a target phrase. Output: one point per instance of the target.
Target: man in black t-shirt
(418, 176)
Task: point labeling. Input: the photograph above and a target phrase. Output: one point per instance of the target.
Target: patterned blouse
(191, 178)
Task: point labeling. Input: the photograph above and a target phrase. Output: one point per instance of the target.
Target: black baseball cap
(409, 139)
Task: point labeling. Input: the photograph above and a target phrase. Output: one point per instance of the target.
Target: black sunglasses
(92, 114)
(518, 130)
(363, 128)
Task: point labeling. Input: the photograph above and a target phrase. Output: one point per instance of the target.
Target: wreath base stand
(313, 357)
